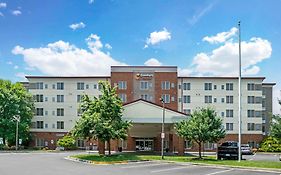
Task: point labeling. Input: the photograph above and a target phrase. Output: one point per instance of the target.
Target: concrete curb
(103, 163)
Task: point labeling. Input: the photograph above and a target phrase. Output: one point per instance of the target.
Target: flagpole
(239, 94)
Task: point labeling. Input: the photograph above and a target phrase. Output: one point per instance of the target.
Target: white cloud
(108, 46)
(9, 62)
(16, 12)
(1, 14)
(185, 72)
(16, 67)
(275, 97)
(224, 59)
(63, 58)
(3, 5)
(221, 37)
(153, 62)
(77, 26)
(199, 14)
(91, 1)
(157, 37)
(21, 75)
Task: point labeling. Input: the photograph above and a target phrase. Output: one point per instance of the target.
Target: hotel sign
(144, 76)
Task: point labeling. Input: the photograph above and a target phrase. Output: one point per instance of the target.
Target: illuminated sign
(143, 75)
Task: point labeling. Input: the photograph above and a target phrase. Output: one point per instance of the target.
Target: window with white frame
(166, 98)
(208, 86)
(145, 97)
(122, 85)
(208, 146)
(40, 124)
(229, 113)
(165, 85)
(229, 127)
(39, 111)
(186, 99)
(123, 97)
(39, 85)
(187, 111)
(251, 113)
(208, 99)
(229, 99)
(254, 126)
(80, 86)
(144, 85)
(39, 142)
(251, 99)
(38, 98)
(251, 86)
(60, 124)
(187, 144)
(123, 143)
(60, 112)
(186, 86)
(229, 86)
(60, 85)
(79, 98)
(60, 98)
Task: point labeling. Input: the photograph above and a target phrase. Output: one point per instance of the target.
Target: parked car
(228, 150)
(246, 149)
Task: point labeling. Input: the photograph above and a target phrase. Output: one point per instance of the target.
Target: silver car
(246, 149)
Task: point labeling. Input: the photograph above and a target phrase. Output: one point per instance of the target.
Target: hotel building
(140, 88)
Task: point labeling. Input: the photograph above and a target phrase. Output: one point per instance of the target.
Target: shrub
(270, 144)
(67, 142)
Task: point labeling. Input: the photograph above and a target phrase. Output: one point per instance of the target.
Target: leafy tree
(203, 126)
(276, 126)
(270, 144)
(102, 117)
(68, 142)
(14, 100)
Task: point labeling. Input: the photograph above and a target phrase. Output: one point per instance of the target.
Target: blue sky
(70, 37)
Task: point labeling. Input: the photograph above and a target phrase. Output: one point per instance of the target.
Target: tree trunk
(200, 156)
(109, 149)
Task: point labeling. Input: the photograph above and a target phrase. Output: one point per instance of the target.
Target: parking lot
(55, 163)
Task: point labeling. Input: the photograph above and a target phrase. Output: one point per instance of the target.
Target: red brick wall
(124, 76)
(47, 137)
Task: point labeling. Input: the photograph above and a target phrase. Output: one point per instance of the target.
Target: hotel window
(222, 100)
(229, 99)
(222, 87)
(186, 99)
(187, 111)
(144, 85)
(79, 98)
(258, 114)
(39, 85)
(251, 86)
(251, 126)
(222, 114)
(87, 86)
(60, 86)
(208, 146)
(54, 86)
(122, 144)
(208, 99)
(251, 99)
(208, 86)
(229, 86)
(187, 144)
(229, 127)
(60, 112)
(33, 125)
(39, 112)
(39, 142)
(172, 85)
(46, 98)
(79, 112)
(251, 113)
(60, 98)
(60, 125)
(38, 98)
(258, 127)
(122, 84)
(186, 86)
(165, 85)
(215, 86)
(215, 100)
(95, 86)
(258, 87)
(46, 86)
(46, 125)
(166, 98)
(80, 86)
(123, 97)
(229, 113)
(144, 96)
(258, 100)
(39, 124)
(46, 113)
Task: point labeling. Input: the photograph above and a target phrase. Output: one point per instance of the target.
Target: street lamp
(17, 118)
(162, 131)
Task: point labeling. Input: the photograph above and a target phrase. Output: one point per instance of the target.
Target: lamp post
(239, 94)
(162, 130)
(17, 118)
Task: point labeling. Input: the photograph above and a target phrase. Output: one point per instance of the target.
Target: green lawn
(207, 160)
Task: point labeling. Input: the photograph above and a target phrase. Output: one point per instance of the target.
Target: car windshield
(229, 144)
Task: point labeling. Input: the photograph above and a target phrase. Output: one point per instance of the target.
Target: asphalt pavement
(56, 164)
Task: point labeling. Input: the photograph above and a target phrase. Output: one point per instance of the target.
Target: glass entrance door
(144, 144)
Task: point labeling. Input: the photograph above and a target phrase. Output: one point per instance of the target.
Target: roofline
(41, 76)
(144, 67)
(222, 77)
(125, 104)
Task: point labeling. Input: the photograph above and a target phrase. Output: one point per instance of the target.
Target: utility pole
(239, 94)
(162, 130)
(17, 118)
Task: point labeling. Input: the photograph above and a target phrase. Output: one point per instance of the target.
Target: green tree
(14, 100)
(102, 117)
(203, 126)
(68, 142)
(275, 130)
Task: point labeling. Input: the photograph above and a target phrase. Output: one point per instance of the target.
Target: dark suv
(228, 150)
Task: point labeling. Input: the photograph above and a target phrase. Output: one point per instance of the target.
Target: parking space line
(170, 169)
(144, 165)
(218, 172)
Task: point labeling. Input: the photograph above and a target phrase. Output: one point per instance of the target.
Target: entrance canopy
(141, 111)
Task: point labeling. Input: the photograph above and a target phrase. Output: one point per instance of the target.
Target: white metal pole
(17, 134)
(239, 95)
(162, 132)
